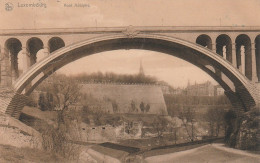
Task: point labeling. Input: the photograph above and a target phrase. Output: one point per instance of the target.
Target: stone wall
(97, 133)
(124, 94)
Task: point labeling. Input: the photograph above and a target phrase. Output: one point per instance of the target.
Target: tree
(62, 92)
(97, 115)
(248, 135)
(215, 119)
(41, 102)
(159, 125)
(117, 78)
(147, 108)
(174, 130)
(49, 101)
(243, 129)
(187, 116)
(142, 108)
(230, 122)
(133, 107)
(115, 106)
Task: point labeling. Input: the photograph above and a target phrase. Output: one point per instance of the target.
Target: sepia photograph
(129, 81)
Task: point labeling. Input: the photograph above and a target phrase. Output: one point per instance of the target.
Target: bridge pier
(234, 58)
(11, 102)
(236, 100)
(6, 79)
(46, 51)
(26, 58)
(257, 93)
(253, 59)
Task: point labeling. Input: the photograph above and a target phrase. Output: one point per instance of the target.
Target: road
(213, 153)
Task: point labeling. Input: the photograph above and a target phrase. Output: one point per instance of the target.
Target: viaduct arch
(239, 89)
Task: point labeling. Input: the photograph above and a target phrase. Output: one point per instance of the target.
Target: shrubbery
(115, 78)
(243, 130)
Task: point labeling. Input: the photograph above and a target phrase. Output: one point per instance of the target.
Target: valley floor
(212, 153)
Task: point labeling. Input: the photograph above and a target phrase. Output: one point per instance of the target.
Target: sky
(110, 13)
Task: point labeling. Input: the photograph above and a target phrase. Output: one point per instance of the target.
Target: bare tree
(159, 125)
(97, 115)
(142, 107)
(115, 106)
(188, 116)
(147, 108)
(41, 102)
(133, 107)
(215, 119)
(174, 131)
(65, 92)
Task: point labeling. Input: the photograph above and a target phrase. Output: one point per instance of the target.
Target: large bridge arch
(237, 89)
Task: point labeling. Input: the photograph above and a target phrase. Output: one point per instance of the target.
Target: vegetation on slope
(115, 78)
(14, 154)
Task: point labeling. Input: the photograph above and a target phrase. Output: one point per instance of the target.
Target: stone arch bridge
(230, 55)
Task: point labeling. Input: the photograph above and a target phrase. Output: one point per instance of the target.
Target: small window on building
(103, 128)
(83, 128)
(93, 128)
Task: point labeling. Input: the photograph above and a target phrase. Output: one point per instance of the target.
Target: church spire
(141, 70)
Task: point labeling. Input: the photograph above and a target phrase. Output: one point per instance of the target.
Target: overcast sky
(97, 13)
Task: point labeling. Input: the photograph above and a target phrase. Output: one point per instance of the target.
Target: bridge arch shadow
(237, 87)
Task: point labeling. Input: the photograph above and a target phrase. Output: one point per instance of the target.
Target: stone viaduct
(230, 55)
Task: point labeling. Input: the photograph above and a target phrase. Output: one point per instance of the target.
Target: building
(219, 90)
(104, 133)
(204, 89)
(165, 89)
(177, 91)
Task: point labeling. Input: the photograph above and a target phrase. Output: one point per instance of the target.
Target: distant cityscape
(202, 89)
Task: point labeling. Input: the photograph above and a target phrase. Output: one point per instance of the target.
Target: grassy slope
(14, 154)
